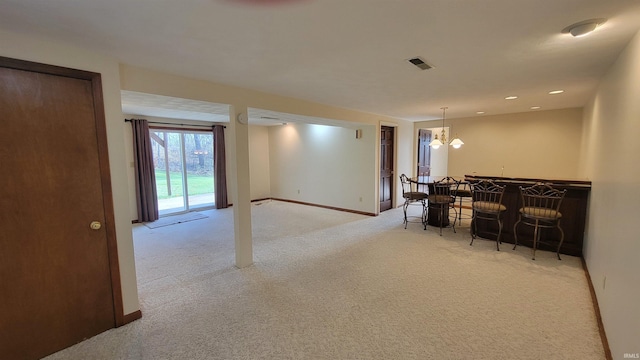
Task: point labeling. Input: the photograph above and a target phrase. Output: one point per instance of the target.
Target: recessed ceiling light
(584, 27)
(556, 92)
(480, 112)
(511, 97)
(535, 107)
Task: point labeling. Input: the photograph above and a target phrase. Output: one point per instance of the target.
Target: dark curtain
(220, 167)
(146, 199)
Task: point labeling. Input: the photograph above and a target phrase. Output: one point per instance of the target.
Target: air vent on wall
(421, 64)
(269, 118)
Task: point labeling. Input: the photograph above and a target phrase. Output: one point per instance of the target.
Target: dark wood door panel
(55, 276)
(424, 152)
(386, 167)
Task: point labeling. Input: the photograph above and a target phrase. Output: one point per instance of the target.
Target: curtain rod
(167, 123)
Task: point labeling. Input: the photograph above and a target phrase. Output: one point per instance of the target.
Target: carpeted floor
(334, 285)
(175, 219)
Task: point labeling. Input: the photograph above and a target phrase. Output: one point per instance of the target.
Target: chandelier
(436, 143)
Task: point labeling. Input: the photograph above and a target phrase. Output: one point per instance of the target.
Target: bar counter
(573, 209)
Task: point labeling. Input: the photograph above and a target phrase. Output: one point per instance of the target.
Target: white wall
(259, 162)
(324, 165)
(536, 144)
(406, 156)
(49, 52)
(610, 160)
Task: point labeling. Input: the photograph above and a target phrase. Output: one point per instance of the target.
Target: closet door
(56, 213)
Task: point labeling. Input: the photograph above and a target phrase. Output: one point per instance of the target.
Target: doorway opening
(432, 163)
(183, 161)
(386, 167)
(424, 153)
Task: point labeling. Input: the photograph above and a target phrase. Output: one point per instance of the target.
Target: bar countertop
(564, 183)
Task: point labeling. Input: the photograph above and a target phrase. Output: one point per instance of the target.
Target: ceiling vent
(421, 64)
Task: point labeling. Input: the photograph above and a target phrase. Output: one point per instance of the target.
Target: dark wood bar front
(573, 209)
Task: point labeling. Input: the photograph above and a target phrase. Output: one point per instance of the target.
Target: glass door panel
(183, 163)
(199, 160)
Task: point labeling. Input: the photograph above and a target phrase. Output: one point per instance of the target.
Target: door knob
(95, 225)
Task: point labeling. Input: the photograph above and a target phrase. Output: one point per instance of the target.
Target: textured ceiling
(353, 53)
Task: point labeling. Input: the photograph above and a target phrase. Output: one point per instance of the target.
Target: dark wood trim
(299, 202)
(326, 207)
(103, 158)
(596, 308)
(131, 317)
(47, 69)
(107, 195)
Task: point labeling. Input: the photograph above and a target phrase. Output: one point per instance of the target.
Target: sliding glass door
(183, 162)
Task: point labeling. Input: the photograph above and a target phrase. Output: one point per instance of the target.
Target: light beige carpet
(334, 285)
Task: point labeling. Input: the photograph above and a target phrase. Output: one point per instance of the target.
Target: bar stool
(462, 193)
(411, 195)
(441, 200)
(540, 209)
(486, 204)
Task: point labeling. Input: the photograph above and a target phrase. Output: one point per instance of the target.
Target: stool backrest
(446, 186)
(408, 186)
(487, 191)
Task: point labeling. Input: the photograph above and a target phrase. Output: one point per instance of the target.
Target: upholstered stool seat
(488, 206)
(541, 213)
(415, 195)
(440, 199)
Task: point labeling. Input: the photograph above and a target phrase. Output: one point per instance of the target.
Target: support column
(241, 189)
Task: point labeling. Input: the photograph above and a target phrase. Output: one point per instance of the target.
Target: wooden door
(424, 152)
(386, 168)
(56, 273)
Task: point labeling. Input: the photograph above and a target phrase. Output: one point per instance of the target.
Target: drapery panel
(220, 167)
(145, 178)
